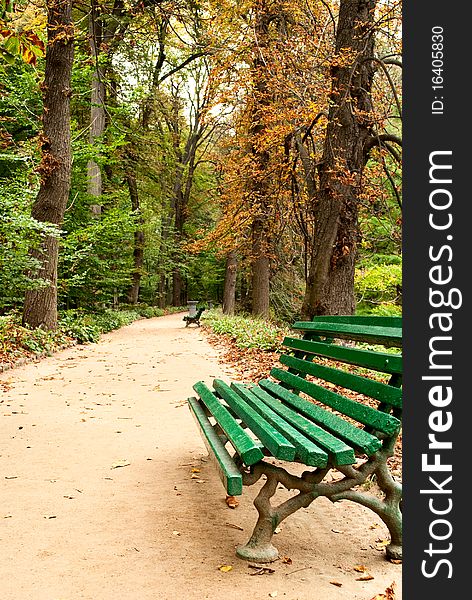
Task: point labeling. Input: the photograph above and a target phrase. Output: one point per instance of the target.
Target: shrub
(378, 288)
(17, 340)
(245, 331)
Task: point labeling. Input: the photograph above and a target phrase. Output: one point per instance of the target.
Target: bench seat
(327, 405)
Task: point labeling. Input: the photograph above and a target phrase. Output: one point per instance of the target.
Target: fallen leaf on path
(337, 583)
(69, 497)
(380, 545)
(122, 463)
(195, 470)
(277, 530)
(273, 594)
(286, 560)
(7, 516)
(395, 561)
(231, 501)
(176, 533)
(389, 593)
(337, 531)
(225, 568)
(11, 477)
(263, 571)
(365, 577)
(360, 568)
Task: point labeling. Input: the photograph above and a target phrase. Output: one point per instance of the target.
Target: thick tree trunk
(260, 192)
(40, 307)
(229, 292)
(330, 284)
(260, 282)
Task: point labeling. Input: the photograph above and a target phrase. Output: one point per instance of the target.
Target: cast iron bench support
(304, 415)
(259, 548)
(195, 318)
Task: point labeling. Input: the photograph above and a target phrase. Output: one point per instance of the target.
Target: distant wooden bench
(196, 317)
(335, 406)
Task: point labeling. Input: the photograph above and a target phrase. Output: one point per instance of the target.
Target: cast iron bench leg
(259, 548)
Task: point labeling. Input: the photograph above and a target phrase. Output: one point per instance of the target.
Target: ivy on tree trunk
(40, 307)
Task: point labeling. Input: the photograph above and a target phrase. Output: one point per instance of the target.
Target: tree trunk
(97, 109)
(260, 281)
(162, 292)
(260, 192)
(330, 283)
(40, 307)
(138, 251)
(177, 288)
(229, 293)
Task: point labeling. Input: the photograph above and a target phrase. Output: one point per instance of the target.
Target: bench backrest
(374, 402)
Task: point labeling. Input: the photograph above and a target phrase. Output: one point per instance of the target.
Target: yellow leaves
(344, 58)
(19, 36)
(225, 568)
(363, 569)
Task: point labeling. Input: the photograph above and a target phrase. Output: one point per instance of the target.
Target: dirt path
(97, 499)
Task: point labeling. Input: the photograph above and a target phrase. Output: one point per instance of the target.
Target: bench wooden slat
(364, 320)
(244, 445)
(339, 452)
(356, 410)
(272, 439)
(227, 470)
(389, 336)
(307, 451)
(369, 387)
(354, 436)
(378, 361)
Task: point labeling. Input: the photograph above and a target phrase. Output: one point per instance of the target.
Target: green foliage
(87, 327)
(96, 259)
(246, 332)
(19, 232)
(378, 286)
(80, 326)
(17, 341)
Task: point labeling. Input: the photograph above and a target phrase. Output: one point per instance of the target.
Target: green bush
(87, 327)
(378, 288)
(80, 326)
(245, 331)
(114, 319)
(17, 340)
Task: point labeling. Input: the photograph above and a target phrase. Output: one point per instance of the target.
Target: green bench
(329, 405)
(195, 318)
